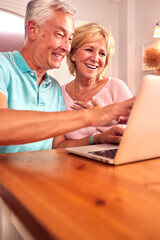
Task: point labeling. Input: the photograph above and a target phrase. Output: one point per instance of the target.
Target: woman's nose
(95, 56)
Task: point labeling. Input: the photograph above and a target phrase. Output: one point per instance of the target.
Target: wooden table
(61, 196)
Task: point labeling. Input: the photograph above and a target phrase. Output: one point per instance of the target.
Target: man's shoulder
(4, 61)
(5, 57)
(54, 81)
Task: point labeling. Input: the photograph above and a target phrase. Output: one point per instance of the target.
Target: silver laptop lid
(141, 137)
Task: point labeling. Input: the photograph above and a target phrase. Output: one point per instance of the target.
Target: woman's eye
(103, 54)
(88, 49)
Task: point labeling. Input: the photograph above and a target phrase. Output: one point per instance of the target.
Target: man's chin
(51, 67)
(57, 67)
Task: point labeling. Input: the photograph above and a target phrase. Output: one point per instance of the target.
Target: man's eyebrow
(60, 28)
(63, 29)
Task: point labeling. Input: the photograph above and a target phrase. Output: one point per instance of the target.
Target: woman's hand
(81, 105)
(113, 135)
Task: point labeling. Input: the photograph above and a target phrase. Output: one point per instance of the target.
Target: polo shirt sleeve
(57, 101)
(63, 105)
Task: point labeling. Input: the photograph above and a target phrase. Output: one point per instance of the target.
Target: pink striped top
(115, 90)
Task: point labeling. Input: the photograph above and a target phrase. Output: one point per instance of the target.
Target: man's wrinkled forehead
(63, 21)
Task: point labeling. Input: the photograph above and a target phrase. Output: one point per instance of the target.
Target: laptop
(141, 138)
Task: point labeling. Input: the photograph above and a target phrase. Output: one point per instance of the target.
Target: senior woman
(91, 50)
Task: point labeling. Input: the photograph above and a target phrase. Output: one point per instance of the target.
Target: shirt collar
(46, 78)
(23, 66)
(20, 62)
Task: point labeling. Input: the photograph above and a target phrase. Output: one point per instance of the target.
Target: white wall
(137, 19)
(127, 43)
(147, 14)
(11, 31)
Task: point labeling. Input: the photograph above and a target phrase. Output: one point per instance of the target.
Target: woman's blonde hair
(90, 32)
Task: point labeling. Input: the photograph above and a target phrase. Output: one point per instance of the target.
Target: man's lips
(59, 56)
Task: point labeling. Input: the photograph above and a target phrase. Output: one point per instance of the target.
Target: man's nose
(66, 46)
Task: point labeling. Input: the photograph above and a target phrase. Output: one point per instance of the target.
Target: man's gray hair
(42, 10)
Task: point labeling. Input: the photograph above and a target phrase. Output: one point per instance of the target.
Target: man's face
(53, 41)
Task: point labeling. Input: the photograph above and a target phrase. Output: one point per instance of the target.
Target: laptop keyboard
(110, 153)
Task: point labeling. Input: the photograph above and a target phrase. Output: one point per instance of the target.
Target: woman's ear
(73, 54)
(32, 29)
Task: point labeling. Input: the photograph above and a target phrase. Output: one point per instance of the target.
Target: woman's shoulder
(116, 84)
(67, 86)
(115, 81)
(119, 88)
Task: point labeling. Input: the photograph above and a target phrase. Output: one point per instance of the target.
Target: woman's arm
(113, 135)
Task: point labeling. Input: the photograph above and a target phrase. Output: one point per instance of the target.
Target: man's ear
(32, 29)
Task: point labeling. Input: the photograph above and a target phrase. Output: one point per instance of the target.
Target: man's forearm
(19, 127)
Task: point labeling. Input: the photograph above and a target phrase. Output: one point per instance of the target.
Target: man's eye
(70, 40)
(60, 35)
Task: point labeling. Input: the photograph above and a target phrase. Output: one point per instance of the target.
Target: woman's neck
(85, 83)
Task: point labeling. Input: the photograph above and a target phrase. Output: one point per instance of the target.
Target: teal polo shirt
(20, 85)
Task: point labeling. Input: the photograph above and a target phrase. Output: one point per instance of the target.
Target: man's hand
(111, 114)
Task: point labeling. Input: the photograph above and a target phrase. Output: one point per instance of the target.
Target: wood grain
(62, 196)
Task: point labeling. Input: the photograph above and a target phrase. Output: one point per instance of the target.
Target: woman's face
(90, 59)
